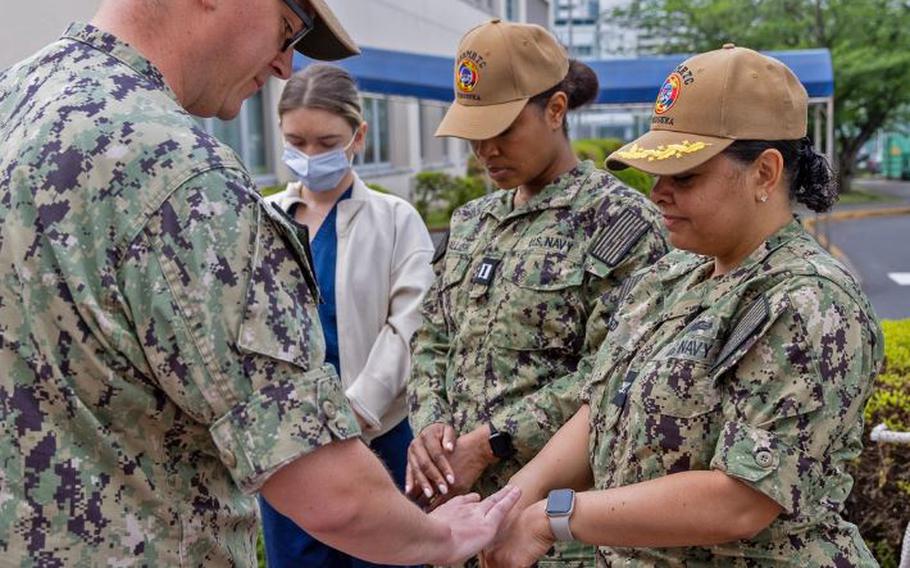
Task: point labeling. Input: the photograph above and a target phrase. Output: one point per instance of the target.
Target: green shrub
(589, 150)
(430, 189)
(608, 145)
(437, 195)
(636, 179)
(378, 188)
(880, 501)
(271, 189)
(597, 150)
(464, 189)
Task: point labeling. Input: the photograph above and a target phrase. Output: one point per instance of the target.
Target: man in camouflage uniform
(158, 332)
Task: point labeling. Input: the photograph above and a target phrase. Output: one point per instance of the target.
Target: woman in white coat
(371, 253)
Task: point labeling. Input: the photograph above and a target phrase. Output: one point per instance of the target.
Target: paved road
(877, 247)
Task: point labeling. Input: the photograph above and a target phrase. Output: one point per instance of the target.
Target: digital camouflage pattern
(520, 297)
(158, 335)
(762, 373)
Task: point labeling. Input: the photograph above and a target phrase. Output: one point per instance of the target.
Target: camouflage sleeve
(221, 294)
(796, 387)
(539, 415)
(427, 399)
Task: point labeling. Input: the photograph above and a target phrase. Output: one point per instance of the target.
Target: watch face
(560, 501)
(501, 444)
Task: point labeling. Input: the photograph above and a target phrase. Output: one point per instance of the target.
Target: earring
(763, 198)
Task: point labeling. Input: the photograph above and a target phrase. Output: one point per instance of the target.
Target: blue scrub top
(325, 254)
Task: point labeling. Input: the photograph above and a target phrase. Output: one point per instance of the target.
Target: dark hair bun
(580, 84)
(814, 185)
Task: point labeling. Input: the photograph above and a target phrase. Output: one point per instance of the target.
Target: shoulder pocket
(279, 314)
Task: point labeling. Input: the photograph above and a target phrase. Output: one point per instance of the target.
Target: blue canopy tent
(624, 83)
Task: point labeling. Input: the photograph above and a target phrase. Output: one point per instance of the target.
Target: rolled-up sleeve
(795, 397)
(280, 422)
(223, 297)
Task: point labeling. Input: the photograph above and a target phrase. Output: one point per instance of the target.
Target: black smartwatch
(501, 443)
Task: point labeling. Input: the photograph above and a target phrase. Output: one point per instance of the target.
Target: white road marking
(902, 278)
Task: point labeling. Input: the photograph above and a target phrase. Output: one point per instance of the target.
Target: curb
(862, 214)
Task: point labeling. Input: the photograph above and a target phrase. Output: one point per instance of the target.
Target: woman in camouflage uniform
(525, 287)
(728, 395)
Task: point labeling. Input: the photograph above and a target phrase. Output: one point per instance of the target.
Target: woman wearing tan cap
(528, 280)
(727, 398)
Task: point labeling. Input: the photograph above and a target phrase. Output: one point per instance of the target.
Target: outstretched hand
(473, 523)
(524, 538)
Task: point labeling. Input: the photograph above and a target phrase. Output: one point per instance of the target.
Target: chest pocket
(540, 305)
(453, 273)
(677, 380)
(674, 414)
(279, 315)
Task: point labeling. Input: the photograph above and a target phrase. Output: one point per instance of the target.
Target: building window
(512, 10)
(376, 114)
(432, 149)
(246, 134)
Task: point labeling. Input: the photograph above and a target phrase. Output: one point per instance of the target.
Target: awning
(622, 81)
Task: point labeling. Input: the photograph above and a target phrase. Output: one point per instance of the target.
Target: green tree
(869, 42)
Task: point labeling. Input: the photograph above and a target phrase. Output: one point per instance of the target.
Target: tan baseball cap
(328, 41)
(498, 68)
(709, 101)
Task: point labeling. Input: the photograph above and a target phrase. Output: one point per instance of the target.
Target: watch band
(501, 443)
(560, 527)
(560, 506)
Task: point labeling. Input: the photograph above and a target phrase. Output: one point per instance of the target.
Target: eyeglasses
(307, 27)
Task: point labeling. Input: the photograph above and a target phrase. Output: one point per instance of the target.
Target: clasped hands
(442, 465)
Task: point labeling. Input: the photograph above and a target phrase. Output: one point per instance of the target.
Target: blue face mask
(321, 172)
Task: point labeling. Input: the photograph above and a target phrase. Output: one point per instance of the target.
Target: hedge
(597, 150)
(880, 501)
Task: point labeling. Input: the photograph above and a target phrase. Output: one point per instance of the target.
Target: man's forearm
(342, 495)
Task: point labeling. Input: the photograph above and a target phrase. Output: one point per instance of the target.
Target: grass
(858, 197)
(437, 219)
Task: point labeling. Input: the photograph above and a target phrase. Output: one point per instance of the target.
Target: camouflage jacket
(161, 349)
(761, 373)
(520, 297)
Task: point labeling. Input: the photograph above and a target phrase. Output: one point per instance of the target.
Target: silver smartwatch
(560, 505)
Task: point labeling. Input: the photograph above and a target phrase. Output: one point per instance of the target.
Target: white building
(402, 141)
(592, 32)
